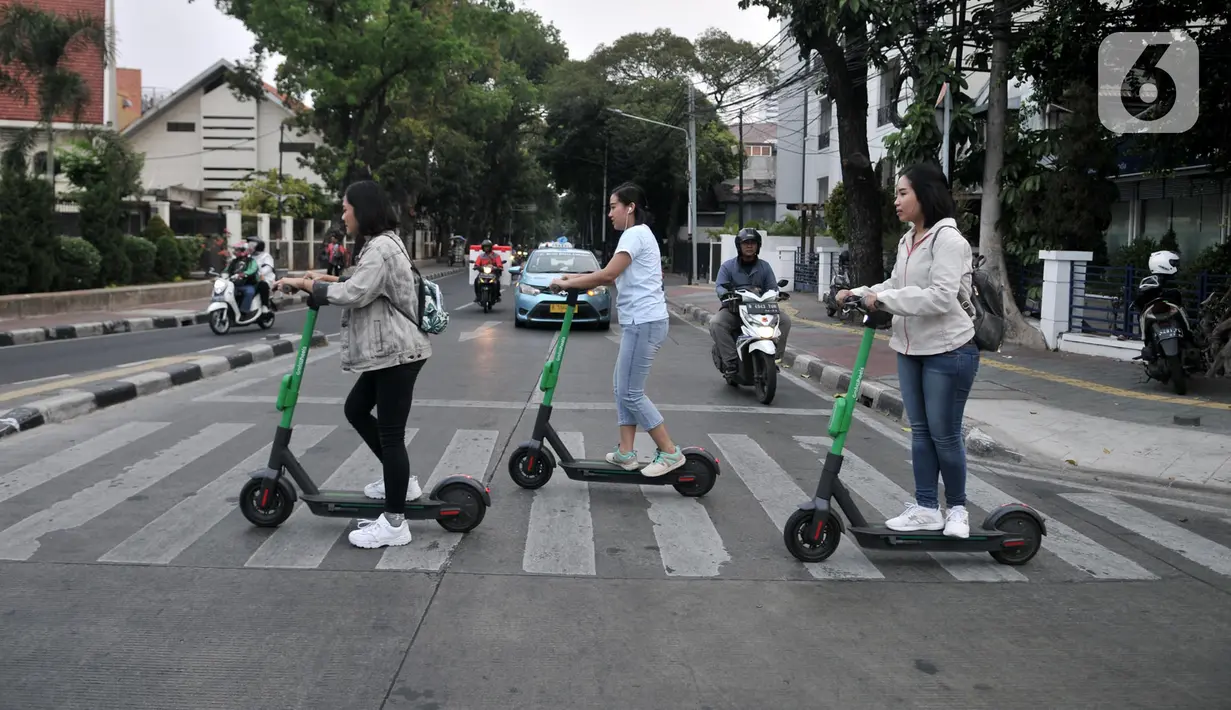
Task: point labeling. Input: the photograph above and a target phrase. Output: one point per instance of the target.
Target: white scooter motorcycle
(224, 312)
(756, 344)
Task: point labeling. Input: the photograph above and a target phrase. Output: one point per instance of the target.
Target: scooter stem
(551, 369)
(288, 392)
(844, 405)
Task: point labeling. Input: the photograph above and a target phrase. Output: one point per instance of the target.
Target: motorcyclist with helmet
(265, 271)
(246, 266)
(487, 257)
(746, 270)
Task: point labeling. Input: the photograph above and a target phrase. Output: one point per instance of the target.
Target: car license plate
(762, 308)
(559, 307)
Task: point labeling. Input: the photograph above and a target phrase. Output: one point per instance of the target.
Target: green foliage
(168, 259)
(835, 210)
(191, 249)
(300, 198)
(107, 173)
(27, 223)
(156, 228)
(79, 264)
(788, 226)
(143, 256)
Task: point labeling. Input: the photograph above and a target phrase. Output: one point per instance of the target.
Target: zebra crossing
(94, 501)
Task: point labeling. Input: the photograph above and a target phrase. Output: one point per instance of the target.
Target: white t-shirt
(639, 289)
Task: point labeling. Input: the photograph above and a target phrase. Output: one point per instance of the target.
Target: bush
(78, 263)
(191, 249)
(143, 255)
(156, 228)
(168, 259)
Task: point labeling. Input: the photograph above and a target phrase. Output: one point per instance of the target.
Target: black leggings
(390, 391)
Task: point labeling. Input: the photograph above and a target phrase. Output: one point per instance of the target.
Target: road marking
(36, 474)
(888, 499)
(21, 541)
(303, 541)
(560, 535)
(1204, 552)
(469, 453)
(688, 543)
(111, 374)
(168, 535)
(578, 406)
(779, 497)
(479, 332)
(38, 379)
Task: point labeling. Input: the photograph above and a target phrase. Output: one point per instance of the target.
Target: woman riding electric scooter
(380, 293)
(636, 270)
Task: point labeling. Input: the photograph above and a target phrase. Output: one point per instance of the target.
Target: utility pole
(692, 177)
(603, 201)
(741, 168)
(803, 165)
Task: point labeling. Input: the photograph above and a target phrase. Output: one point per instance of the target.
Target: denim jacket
(375, 334)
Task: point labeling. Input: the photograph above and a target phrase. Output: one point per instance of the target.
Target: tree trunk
(991, 246)
(864, 200)
(51, 154)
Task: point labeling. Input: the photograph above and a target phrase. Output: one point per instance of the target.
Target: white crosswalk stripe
(157, 508)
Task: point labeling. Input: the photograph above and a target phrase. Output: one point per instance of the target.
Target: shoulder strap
(419, 289)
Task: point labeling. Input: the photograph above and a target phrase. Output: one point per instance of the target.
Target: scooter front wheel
(766, 375)
(800, 536)
(268, 513)
(219, 322)
(530, 469)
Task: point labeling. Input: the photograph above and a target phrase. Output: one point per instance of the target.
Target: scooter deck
(347, 504)
(601, 471)
(980, 540)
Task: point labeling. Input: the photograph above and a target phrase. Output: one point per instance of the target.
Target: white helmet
(1164, 262)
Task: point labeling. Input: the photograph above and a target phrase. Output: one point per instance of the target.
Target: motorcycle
(489, 288)
(1170, 350)
(756, 344)
(224, 312)
(841, 281)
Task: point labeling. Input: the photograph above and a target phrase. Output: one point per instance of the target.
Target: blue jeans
(248, 291)
(934, 392)
(638, 346)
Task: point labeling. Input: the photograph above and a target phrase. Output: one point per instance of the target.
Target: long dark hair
(374, 213)
(631, 194)
(932, 191)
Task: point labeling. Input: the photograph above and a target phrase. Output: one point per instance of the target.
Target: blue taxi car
(535, 303)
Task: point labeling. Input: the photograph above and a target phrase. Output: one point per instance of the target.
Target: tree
(27, 223)
(300, 198)
(107, 173)
(35, 45)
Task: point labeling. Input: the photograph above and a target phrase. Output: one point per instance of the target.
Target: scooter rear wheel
(274, 512)
(1019, 523)
(703, 480)
(798, 534)
(473, 510)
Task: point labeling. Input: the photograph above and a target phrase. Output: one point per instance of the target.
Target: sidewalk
(86, 324)
(1059, 410)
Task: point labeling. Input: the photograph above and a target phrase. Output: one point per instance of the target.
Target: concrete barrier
(36, 305)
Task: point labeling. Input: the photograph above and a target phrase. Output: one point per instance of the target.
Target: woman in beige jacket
(934, 338)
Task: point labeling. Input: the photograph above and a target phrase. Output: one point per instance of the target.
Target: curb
(27, 336)
(873, 395)
(75, 402)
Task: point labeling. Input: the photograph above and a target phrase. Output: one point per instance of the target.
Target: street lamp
(690, 136)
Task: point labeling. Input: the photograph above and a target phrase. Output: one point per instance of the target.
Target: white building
(201, 140)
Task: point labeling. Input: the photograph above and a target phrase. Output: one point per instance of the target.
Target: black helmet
(748, 234)
(486, 245)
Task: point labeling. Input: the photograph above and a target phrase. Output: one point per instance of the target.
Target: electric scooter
(267, 499)
(531, 464)
(1012, 533)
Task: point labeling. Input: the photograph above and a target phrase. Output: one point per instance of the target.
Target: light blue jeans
(638, 346)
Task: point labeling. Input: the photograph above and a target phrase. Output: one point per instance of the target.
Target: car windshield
(551, 261)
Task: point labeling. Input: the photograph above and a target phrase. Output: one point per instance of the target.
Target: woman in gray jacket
(381, 340)
(934, 338)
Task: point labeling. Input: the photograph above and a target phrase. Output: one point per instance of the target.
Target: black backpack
(985, 307)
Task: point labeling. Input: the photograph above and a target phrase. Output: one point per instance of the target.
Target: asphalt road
(63, 358)
(130, 579)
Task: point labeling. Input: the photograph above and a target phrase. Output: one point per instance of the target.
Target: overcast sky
(202, 35)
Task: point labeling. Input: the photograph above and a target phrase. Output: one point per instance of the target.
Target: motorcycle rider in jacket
(746, 269)
(487, 257)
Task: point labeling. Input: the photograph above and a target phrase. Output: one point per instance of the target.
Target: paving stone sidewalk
(1073, 414)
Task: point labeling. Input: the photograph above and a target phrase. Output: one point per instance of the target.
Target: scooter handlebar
(871, 319)
(573, 294)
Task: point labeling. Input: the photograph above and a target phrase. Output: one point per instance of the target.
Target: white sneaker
(957, 522)
(916, 518)
(379, 533)
(377, 490)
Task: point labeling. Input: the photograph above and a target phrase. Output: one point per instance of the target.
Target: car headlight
(597, 291)
(527, 289)
(765, 332)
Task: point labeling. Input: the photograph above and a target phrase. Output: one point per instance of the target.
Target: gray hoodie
(380, 297)
(923, 292)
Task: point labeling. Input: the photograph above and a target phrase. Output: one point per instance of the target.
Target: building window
(757, 150)
(181, 127)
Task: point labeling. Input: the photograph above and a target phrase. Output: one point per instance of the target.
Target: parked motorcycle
(489, 288)
(224, 312)
(841, 281)
(756, 344)
(1171, 349)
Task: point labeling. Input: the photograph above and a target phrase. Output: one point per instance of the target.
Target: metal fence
(1101, 302)
(807, 271)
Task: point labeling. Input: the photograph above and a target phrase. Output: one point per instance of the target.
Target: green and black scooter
(1012, 533)
(532, 464)
(458, 502)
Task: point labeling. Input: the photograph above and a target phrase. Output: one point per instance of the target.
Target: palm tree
(33, 45)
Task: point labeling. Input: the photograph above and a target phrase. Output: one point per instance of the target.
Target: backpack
(984, 305)
(433, 318)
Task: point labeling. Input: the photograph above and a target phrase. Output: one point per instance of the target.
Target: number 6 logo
(1148, 82)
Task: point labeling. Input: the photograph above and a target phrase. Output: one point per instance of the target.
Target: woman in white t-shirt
(636, 271)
